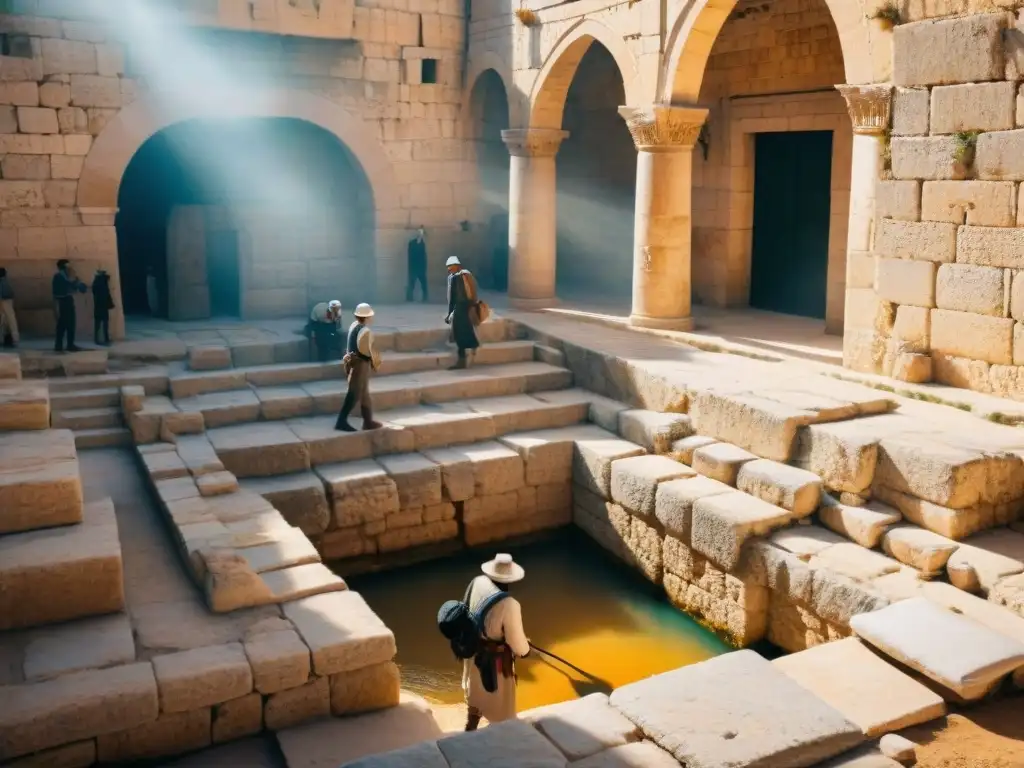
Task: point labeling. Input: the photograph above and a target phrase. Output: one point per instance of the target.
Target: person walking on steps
(102, 303)
(462, 305)
(360, 358)
(417, 265)
(8, 321)
(325, 326)
(65, 285)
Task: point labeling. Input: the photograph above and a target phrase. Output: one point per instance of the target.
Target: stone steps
(101, 397)
(152, 378)
(104, 437)
(40, 486)
(88, 418)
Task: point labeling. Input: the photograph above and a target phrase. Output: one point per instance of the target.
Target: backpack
(464, 629)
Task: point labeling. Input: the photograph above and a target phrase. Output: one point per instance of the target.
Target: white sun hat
(363, 310)
(503, 569)
(334, 304)
(453, 261)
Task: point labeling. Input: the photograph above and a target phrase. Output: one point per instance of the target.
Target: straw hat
(503, 569)
(453, 261)
(363, 310)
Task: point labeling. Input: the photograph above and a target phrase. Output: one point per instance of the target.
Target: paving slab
(655, 432)
(805, 541)
(442, 425)
(699, 715)
(290, 547)
(284, 403)
(328, 446)
(722, 522)
(862, 525)
(854, 561)
(674, 500)
(522, 413)
(866, 689)
(788, 487)
(201, 677)
(299, 497)
(642, 754)
(982, 560)
(954, 651)
(635, 480)
(721, 461)
(260, 449)
(300, 581)
(92, 643)
(582, 727)
(923, 550)
(511, 744)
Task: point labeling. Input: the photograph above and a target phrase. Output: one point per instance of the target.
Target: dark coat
(417, 256)
(461, 300)
(102, 301)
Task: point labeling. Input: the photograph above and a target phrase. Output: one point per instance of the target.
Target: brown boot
(460, 364)
(368, 421)
(472, 721)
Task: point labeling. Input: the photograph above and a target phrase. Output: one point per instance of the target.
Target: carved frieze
(663, 128)
(533, 142)
(869, 107)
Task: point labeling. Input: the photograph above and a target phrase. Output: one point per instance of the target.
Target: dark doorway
(490, 113)
(222, 272)
(792, 206)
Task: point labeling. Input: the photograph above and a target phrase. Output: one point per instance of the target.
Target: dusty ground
(989, 736)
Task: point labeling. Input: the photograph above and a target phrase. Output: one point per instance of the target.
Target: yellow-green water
(577, 602)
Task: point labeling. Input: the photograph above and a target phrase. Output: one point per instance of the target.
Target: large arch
(695, 29)
(480, 63)
(123, 136)
(547, 100)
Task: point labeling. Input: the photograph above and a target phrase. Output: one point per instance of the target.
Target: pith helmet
(363, 310)
(334, 304)
(453, 261)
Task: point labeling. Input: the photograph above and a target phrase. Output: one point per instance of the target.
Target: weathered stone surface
(496, 469)
(216, 483)
(674, 502)
(777, 569)
(229, 582)
(864, 688)
(169, 734)
(695, 714)
(954, 524)
(300, 581)
(635, 480)
(805, 541)
(92, 643)
(905, 281)
(721, 461)
(973, 107)
(788, 487)
(299, 497)
(863, 525)
(279, 660)
(854, 561)
(360, 491)
(260, 449)
(721, 524)
(209, 357)
(918, 548)
(898, 748)
(289, 547)
(416, 477)
(80, 754)
(998, 156)
(237, 718)
(991, 246)
(642, 754)
(920, 157)
(654, 431)
(961, 50)
(845, 453)
(592, 462)
(950, 649)
(582, 727)
(284, 402)
(837, 598)
(547, 454)
(510, 744)
(24, 405)
(969, 288)
(295, 705)
(77, 706)
(978, 203)
(341, 632)
(682, 450)
(39, 482)
(899, 199)
(982, 560)
(764, 427)
(201, 677)
(377, 686)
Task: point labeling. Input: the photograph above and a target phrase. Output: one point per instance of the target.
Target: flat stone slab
(289, 547)
(788, 487)
(755, 423)
(700, 715)
(24, 405)
(284, 402)
(722, 522)
(866, 689)
(209, 357)
(854, 562)
(863, 525)
(260, 449)
(655, 431)
(865, 757)
(299, 497)
(547, 453)
(805, 541)
(984, 559)
(220, 409)
(635, 480)
(416, 477)
(582, 727)
(300, 581)
(721, 461)
(592, 461)
(40, 486)
(954, 651)
(642, 754)
(202, 677)
(512, 744)
(919, 548)
(102, 641)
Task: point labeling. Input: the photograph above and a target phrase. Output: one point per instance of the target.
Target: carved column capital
(533, 142)
(663, 128)
(869, 107)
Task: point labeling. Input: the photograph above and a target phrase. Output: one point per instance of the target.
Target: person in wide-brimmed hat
(360, 358)
(462, 301)
(489, 679)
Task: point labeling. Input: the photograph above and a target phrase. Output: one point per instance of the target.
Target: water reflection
(577, 602)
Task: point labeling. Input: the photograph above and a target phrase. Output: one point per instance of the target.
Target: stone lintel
(869, 107)
(662, 127)
(533, 142)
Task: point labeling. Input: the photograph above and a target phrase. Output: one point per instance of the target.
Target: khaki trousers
(8, 321)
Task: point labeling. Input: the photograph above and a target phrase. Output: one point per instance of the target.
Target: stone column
(664, 137)
(532, 223)
(869, 107)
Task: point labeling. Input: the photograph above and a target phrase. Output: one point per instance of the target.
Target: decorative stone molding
(663, 128)
(533, 142)
(869, 107)
(98, 217)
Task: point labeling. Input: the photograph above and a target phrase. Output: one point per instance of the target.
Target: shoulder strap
(485, 607)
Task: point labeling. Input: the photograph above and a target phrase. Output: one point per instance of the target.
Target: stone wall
(940, 298)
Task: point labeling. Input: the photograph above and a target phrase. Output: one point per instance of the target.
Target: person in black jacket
(102, 303)
(417, 265)
(65, 285)
(462, 300)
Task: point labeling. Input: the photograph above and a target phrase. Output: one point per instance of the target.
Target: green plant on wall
(966, 142)
(888, 15)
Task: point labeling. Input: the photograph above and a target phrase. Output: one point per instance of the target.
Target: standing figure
(152, 292)
(8, 321)
(102, 303)
(417, 265)
(65, 285)
(489, 678)
(325, 325)
(462, 300)
(360, 358)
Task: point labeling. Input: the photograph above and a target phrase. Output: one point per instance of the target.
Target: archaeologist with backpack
(486, 633)
(360, 359)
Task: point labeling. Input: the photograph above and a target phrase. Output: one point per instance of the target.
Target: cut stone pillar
(664, 137)
(870, 108)
(532, 221)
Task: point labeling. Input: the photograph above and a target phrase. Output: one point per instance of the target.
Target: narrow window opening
(18, 46)
(429, 72)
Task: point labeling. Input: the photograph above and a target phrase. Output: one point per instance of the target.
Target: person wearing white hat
(325, 323)
(489, 679)
(360, 358)
(462, 299)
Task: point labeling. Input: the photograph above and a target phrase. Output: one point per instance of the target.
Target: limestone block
(592, 462)
(644, 545)
(721, 523)
(92, 643)
(837, 598)
(284, 403)
(788, 487)
(854, 562)
(721, 461)
(583, 727)
(686, 711)
(637, 755)
(23, 405)
(977, 337)
(999, 155)
(991, 246)
(229, 582)
(845, 453)
(418, 535)
(860, 270)
(259, 450)
(547, 454)
(95, 91)
(898, 748)
(960, 50)
(496, 468)
(654, 431)
(169, 734)
(299, 497)
(905, 282)
(924, 550)
(425, 754)
(795, 628)
(279, 660)
(950, 649)
(865, 311)
(66, 57)
(295, 705)
(220, 409)
(916, 240)
(360, 491)
(57, 574)
(80, 705)
(365, 690)
(899, 199)
(770, 566)
(954, 524)
(198, 678)
(237, 718)
(674, 501)
(635, 480)
(40, 485)
(505, 745)
(969, 288)
(682, 450)
(209, 357)
(804, 541)
(80, 754)
(289, 547)
(341, 632)
(909, 118)
(764, 427)
(983, 560)
(417, 479)
(933, 157)
(864, 525)
(301, 581)
(973, 107)
(217, 484)
(977, 203)
(912, 367)
(1010, 593)
(198, 454)
(863, 687)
